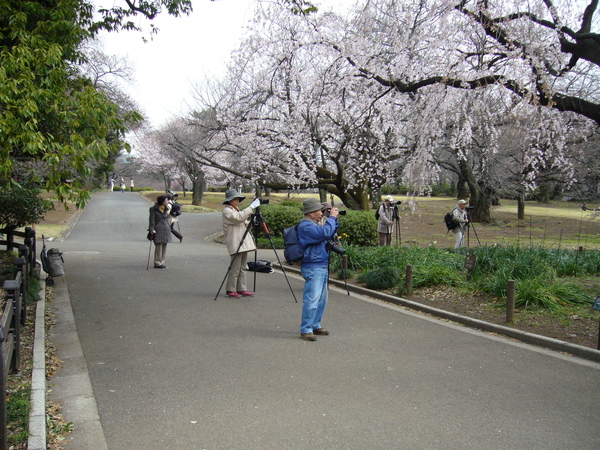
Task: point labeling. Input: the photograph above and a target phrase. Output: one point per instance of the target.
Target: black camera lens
(342, 213)
(337, 249)
(264, 201)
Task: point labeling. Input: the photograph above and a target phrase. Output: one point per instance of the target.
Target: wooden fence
(14, 316)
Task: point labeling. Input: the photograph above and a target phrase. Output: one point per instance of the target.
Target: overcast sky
(184, 52)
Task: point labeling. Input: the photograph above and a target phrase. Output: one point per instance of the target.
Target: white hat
(390, 198)
(462, 202)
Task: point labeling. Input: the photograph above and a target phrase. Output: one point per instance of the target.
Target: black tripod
(469, 224)
(257, 221)
(398, 231)
(343, 270)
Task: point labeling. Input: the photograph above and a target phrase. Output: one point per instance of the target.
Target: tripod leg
(226, 275)
(475, 231)
(282, 269)
(264, 225)
(344, 273)
(255, 259)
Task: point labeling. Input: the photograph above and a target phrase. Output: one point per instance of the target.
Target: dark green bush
(20, 207)
(263, 242)
(278, 217)
(291, 203)
(381, 278)
(358, 228)
(539, 293)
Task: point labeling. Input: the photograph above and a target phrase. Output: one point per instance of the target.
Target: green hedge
(356, 227)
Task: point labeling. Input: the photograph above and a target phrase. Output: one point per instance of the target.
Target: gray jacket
(460, 216)
(386, 219)
(159, 222)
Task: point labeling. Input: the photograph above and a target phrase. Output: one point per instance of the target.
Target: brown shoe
(321, 332)
(308, 336)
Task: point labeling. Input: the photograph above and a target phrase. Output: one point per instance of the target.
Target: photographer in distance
(314, 239)
(385, 225)
(461, 217)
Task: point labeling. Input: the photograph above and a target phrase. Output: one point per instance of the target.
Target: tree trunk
(480, 196)
(322, 195)
(198, 187)
(544, 195)
(521, 206)
(375, 198)
(462, 188)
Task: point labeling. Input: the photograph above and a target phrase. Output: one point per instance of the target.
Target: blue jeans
(314, 298)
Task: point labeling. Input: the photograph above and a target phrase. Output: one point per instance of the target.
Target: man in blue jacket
(313, 238)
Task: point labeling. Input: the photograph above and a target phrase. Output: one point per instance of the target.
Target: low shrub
(381, 278)
(263, 242)
(358, 228)
(278, 217)
(536, 292)
(20, 207)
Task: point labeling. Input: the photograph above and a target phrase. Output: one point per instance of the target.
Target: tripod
(343, 270)
(398, 231)
(469, 224)
(256, 220)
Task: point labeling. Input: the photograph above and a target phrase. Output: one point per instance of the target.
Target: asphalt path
(171, 368)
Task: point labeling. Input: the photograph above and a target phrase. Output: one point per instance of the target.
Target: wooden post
(20, 268)
(409, 280)
(3, 419)
(510, 301)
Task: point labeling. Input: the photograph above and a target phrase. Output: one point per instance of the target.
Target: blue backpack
(293, 251)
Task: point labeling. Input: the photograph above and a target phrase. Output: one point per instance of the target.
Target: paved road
(171, 368)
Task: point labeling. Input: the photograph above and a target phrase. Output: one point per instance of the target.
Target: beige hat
(311, 205)
(390, 198)
(462, 202)
(231, 194)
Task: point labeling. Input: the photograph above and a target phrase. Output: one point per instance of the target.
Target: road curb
(529, 338)
(72, 381)
(37, 414)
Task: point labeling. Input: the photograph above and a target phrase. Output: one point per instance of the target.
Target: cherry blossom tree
(418, 85)
(153, 158)
(300, 118)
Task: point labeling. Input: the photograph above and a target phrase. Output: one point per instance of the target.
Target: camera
(470, 208)
(173, 195)
(341, 213)
(335, 246)
(264, 201)
(397, 202)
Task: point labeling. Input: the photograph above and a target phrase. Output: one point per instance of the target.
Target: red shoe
(232, 294)
(245, 293)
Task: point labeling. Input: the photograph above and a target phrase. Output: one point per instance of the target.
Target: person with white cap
(235, 224)
(314, 237)
(385, 225)
(460, 216)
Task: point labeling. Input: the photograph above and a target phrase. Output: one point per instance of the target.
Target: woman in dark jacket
(160, 229)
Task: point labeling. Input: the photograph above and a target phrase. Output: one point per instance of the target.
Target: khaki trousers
(160, 251)
(236, 280)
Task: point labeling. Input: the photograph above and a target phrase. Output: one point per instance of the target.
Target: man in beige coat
(235, 224)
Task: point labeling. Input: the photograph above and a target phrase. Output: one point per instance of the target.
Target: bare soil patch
(576, 325)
